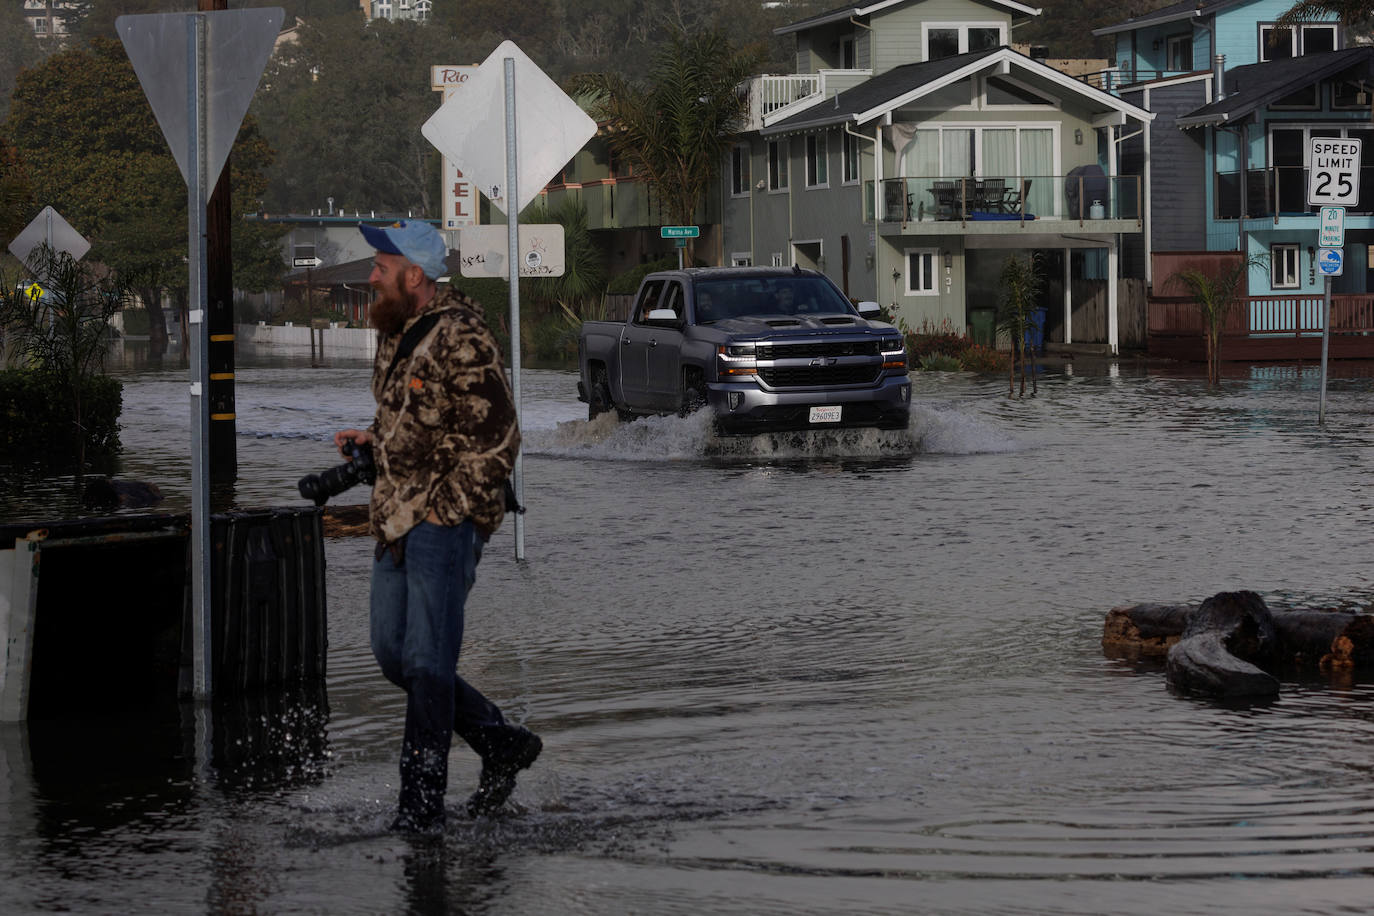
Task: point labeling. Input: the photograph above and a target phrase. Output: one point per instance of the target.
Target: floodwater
(851, 673)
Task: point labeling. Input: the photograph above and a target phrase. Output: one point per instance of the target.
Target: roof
(1174, 12)
(1256, 86)
(842, 13)
(902, 85)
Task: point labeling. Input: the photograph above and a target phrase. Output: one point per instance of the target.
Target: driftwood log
(344, 521)
(1303, 640)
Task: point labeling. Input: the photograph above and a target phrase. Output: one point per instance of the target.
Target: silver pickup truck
(765, 348)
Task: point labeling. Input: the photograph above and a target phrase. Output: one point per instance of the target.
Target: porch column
(1068, 295)
(1113, 337)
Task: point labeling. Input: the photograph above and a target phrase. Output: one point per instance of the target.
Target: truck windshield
(727, 297)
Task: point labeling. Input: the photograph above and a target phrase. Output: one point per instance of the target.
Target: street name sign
(469, 128)
(1332, 234)
(679, 232)
(1330, 261)
(482, 251)
(1333, 175)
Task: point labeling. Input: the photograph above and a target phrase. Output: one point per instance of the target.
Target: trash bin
(983, 326)
(1035, 331)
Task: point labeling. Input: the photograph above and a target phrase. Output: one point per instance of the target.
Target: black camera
(358, 469)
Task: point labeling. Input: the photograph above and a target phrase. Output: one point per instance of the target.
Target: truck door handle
(653, 341)
(625, 341)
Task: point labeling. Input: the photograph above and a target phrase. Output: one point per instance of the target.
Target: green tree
(1216, 296)
(1018, 313)
(19, 48)
(16, 195)
(1351, 13)
(344, 107)
(675, 129)
(94, 152)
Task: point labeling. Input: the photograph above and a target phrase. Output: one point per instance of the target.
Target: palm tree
(1350, 12)
(1216, 296)
(1018, 313)
(675, 129)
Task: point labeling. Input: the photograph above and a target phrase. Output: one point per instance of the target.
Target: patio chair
(991, 195)
(946, 195)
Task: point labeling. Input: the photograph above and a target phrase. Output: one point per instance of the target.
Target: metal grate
(817, 376)
(818, 348)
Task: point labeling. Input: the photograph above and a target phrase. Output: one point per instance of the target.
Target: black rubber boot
(499, 769)
(424, 776)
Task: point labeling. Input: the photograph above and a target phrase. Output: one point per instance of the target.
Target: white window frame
(1296, 36)
(741, 259)
(740, 178)
(849, 153)
(1170, 53)
(1279, 253)
(921, 285)
(778, 154)
(817, 162)
(777, 259)
(963, 30)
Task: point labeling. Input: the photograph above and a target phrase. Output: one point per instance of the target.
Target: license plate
(828, 414)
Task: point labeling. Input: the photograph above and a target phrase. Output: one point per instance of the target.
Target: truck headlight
(893, 351)
(737, 360)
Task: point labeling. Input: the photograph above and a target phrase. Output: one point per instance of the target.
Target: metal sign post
(555, 128)
(513, 274)
(1333, 183)
(199, 107)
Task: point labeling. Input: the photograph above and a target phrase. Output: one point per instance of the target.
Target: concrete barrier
(360, 343)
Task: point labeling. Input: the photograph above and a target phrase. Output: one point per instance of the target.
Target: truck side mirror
(869, 309)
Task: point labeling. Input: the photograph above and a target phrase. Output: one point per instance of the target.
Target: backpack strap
(409, 341)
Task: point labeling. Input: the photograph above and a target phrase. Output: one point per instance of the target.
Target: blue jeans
(417, 633)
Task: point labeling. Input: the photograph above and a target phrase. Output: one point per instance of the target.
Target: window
(851, 159)
(1283, 261)
(920, 271)
(848, 60)
(1345, 94)
(946, 39)
(1311, 38)
(817, 170)
(40, 26)
(739, 170)
(741, 259)
(777, 259)
(777, 165)
(648, 300)
(1180, 53)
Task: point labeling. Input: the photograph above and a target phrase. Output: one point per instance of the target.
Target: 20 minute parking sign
(1333, 175)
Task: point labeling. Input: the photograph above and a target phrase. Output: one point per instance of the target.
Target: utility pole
(219, 277)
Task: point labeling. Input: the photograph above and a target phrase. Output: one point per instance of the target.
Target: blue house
(1237, 104)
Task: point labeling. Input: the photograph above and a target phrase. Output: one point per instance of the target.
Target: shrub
(628, 281)
(940, 347)
(36, 413)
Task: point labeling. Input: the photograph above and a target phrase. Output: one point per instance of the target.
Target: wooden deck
(1264, 329)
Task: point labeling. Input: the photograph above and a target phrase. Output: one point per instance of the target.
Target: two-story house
(1237, 103)
(914, 151)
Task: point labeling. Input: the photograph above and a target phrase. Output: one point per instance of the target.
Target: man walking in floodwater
(444, 440)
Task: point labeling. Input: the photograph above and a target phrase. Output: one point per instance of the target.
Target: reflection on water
(833, 672)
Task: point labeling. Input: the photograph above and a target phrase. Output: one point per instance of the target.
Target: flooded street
(853, 672)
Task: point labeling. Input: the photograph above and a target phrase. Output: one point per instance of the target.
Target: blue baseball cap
(416, 241)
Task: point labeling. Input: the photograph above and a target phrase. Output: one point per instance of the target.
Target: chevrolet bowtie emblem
(823, 361)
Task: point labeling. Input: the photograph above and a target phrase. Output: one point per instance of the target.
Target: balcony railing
(1277, 191)
(1267, 316)
(1016, 198)
(1114, 78)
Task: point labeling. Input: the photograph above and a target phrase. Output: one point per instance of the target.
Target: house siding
(1178, 172)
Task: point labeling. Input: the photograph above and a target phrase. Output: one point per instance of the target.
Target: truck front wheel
(693, 393)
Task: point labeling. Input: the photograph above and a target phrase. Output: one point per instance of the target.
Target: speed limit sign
(1333, 175)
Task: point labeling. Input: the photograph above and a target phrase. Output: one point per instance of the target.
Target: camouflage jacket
(445, 435)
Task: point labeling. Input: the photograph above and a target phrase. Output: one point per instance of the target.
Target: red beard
(391, 309)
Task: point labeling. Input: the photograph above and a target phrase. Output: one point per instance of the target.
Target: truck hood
(775, 326)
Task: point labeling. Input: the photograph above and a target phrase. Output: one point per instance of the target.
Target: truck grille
(818, 348)
(817, 376)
